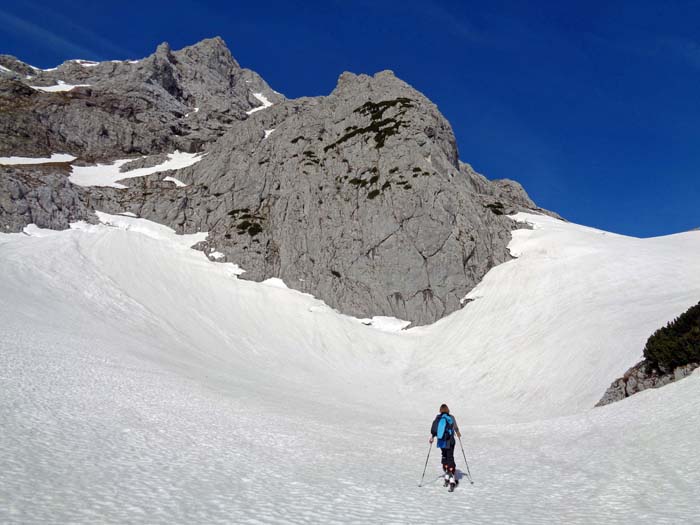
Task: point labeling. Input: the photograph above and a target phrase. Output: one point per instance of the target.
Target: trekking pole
(430, 446)
(469, 474)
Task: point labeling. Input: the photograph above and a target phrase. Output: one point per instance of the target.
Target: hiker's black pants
(448, 458)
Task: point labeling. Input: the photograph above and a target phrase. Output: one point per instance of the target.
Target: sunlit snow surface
(175, 181)
(55, 157)
(143, 383)
(85, 63)
(109, 174)
(263, 99)
(386, 324)
(59, 86)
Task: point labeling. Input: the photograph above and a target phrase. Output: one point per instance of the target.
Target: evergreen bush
(677, 343)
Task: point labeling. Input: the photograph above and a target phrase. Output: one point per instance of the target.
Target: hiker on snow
(444, 428)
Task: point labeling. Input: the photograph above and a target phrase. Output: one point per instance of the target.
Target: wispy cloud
(680, 49)
(457, 25)
(430, 12)
(72, 41)
(100, 45)
(53, 40)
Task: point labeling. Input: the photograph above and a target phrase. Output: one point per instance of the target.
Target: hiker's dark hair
(444, 409)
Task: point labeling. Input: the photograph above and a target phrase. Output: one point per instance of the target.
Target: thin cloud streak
(455, 24)
(69, 26)
(682, 49)
(52, 40)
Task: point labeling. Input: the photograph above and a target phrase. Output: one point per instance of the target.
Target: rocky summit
(358, 197)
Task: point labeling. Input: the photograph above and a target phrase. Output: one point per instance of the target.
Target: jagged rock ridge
(128, 107)
(358, 197)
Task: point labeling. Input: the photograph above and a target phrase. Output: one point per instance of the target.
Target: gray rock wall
(41, 196)
(358, 197)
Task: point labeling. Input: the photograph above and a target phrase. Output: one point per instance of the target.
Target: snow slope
(142, 382)
(546, 334)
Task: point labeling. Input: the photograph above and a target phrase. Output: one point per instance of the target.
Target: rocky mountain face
(358, 197)
(169, 100)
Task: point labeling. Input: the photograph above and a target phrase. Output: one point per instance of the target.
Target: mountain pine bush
(677, 343)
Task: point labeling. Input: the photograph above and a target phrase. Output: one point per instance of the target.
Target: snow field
(547, 333)
(136, 373)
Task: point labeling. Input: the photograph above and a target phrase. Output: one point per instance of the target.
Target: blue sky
(593, 106)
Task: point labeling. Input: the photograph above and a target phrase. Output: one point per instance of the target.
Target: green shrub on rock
(677, 343)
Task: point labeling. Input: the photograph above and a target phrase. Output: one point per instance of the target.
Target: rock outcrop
(642, 377)
(358, 197)
(41, 196)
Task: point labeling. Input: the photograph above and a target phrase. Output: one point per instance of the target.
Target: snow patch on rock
(55, 157)
(177, 182)
(263, 99)
(108, 174)
(85, 63)
(60, 86)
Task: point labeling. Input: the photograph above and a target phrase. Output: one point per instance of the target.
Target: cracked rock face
(358, 197)
(41, 196)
